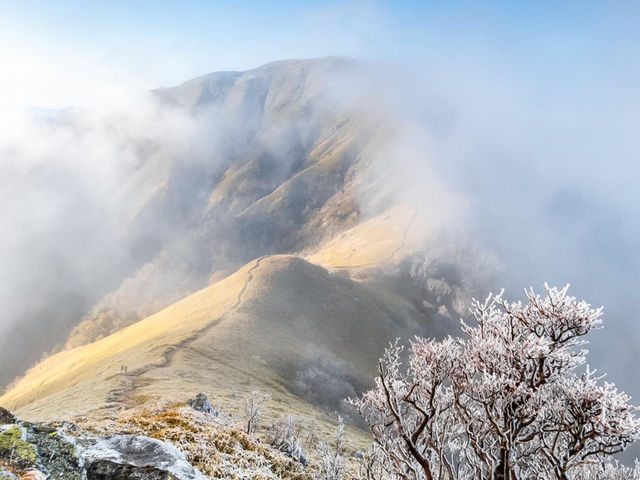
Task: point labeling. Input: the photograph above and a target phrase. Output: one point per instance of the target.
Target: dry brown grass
(217, 446)
(33, 474)
(26, 474)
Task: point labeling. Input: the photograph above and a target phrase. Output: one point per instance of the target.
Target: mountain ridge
(145, 355)
(269, 199)
(279, 266)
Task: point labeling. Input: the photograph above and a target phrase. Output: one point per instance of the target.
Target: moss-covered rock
(16, 453)
(56, 453)
(14, 445)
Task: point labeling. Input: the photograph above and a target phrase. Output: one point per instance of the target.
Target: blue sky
(52, 52)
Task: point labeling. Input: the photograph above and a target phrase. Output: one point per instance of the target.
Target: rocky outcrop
(136, 457)
(202, 404)
(56, 453)
(106, 470)
(6, 416)
(26, 448)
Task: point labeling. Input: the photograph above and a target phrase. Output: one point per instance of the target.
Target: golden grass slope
(384, 239)
(260, 328)
(137, 346)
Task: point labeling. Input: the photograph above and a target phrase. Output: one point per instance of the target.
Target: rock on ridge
(135, 456)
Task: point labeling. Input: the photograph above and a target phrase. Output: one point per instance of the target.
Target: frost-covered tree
(253, 406)
(332, 465)
(450, 271)
(372, 465)
(284, 434)
(609, 471)
(505, 402)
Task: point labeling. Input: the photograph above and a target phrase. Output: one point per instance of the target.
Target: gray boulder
(202, 404)
(136, 457)
(108, 470)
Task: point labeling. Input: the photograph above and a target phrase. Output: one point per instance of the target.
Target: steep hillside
(279, 324)
(273, 262)
(285, 177)
(375, 243)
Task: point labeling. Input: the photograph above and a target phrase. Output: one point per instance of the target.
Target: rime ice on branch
(505, 402)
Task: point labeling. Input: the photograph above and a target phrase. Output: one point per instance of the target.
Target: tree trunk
(503, 470)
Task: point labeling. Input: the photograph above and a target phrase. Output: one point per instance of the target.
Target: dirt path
(124, 396)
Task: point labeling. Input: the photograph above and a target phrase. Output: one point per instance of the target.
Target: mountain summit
(269, 257)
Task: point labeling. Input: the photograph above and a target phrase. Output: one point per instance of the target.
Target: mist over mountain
(133, 210)
(244, 240)
(143, 207)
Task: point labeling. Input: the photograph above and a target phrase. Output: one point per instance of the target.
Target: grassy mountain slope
(384, 239)
(279, 324)
(285, 177)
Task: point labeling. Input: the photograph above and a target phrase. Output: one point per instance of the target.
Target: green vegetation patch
(11, 441)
